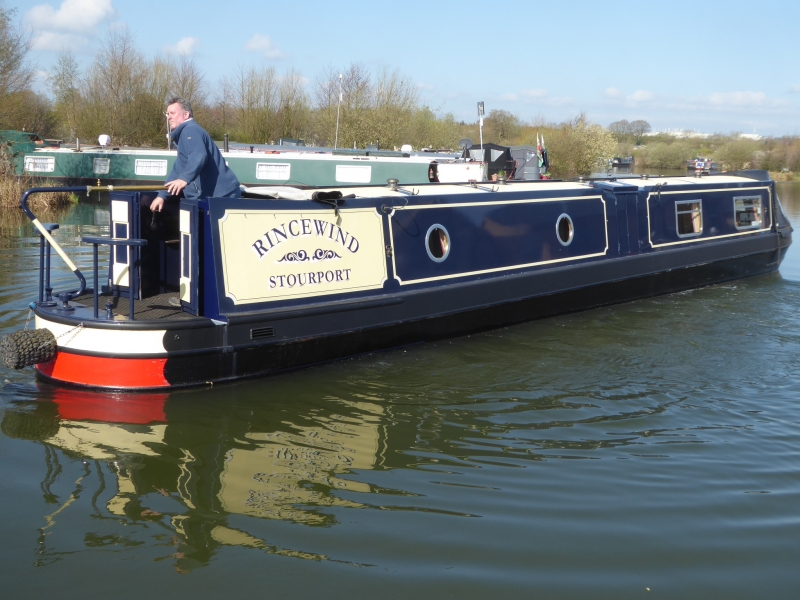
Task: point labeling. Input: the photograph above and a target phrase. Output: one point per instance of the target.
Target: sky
(710, 66)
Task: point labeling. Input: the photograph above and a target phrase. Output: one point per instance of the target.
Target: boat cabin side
(227, 257)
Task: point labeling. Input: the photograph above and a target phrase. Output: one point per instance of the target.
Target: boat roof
(680, 180)
(291, 152)
(484, 187)
(433, 189)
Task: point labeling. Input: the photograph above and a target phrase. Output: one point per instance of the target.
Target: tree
(293, 113)
(576, 146)
(252, 97)
(620, 127)
(377, 109)
(501, 126)
(638, 129)
(623, 130)
(65, 82)
(737, 154)
(662, 155)
(15, 72)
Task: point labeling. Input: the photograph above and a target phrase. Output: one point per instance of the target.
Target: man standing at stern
(200, 170)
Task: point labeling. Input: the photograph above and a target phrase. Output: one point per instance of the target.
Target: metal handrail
(43, 230)
(134, 259)
(23, 204)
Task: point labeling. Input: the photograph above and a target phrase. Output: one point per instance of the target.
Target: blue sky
(710, 66)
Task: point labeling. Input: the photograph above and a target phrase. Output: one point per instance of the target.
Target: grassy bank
(12, 187)
(783, 176)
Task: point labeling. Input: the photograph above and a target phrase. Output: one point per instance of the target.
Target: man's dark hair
(185, 104)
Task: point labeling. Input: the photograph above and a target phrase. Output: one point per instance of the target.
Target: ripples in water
(647, 445)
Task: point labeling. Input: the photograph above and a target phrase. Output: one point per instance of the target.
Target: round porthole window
(437, 243)
(564, 229)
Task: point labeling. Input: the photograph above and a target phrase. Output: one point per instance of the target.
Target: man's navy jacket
(200, 164)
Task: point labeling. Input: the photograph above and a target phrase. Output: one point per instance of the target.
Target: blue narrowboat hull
(269, 285)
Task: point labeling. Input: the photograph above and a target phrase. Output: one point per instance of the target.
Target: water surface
(652, 446)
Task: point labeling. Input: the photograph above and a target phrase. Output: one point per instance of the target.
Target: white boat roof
(480, 188)
(436, 189)
(651, 181)
(292, 154)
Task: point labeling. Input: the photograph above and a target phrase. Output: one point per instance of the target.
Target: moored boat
(228, 288)
(702, 165)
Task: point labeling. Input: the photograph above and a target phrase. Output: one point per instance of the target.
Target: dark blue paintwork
(494, 237)
(505, 231)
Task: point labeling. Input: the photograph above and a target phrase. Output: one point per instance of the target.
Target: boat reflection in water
(190, 477)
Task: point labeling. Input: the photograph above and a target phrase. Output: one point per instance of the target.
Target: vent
(260, 333)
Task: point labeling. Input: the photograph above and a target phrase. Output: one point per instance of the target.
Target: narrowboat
(289, 164)
(220, 289)
(262, 165)
(704, 166)
(253, 165)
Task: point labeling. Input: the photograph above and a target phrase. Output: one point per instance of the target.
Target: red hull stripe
(100, 371)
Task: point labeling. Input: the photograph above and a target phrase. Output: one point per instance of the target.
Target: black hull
(402, 324)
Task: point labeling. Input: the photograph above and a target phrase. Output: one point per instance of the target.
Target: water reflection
(628, 437)
(146, 449)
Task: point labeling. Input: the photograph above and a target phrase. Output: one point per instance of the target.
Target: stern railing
(47, 242)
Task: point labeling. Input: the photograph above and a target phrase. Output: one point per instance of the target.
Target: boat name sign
(273, 255)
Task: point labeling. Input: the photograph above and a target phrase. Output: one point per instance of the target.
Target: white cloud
(533, 94)
(738, 99)
(613, 93)
(795, 89)
(640, 96)
(565, 101)
(185, 46)
(50, 40)
(262, 43)
(538, 97)
(76, 16)
(426, 86)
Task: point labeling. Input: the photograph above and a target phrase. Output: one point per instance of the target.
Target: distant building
(688, 133)
(680, 133)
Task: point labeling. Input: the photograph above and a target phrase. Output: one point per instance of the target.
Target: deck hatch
(258, 333)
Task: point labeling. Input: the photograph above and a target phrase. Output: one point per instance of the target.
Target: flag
(539, 151)
(545, 158)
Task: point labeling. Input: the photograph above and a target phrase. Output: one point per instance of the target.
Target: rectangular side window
(102, 166)
(747, 212)
(279, 171)
(157, 168)
(689, 216)
(40, 164)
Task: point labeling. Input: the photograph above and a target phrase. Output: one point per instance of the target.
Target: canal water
(644, 450)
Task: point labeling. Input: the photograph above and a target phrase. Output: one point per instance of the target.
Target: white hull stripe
(106, 341)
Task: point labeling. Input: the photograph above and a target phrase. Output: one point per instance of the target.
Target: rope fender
(29, 347)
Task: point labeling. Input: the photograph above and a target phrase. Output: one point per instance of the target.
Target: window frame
(678, 213)
(753, 225)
